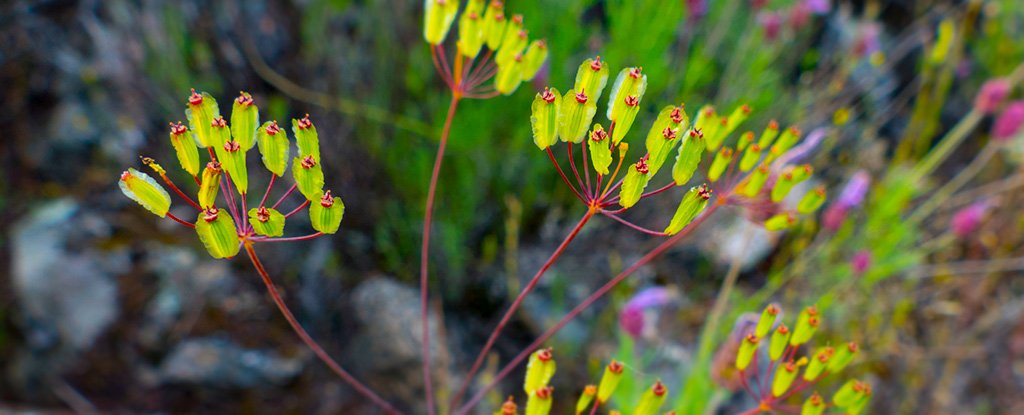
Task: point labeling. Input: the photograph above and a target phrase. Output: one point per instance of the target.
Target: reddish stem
(312, 344)
(425, 251)
(652, 193)
(564, 177)
(437, 65)
(576, 173)
(515, 306)
(177, 219)
(586, 170)
(273, 177)
(179, 192)
(289, 239)
(634, 226)
(586, 303)
(296, 210)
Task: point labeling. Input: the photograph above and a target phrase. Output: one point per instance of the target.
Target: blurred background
(106, 309)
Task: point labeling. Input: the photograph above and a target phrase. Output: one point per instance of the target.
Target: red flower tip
(473, 15)
(544, 393)
(599, 134)
(522, 34)
(219, 122)
(696, 133)
(244, 99)
(509, 407)
(724, 121)
(195, 99)
(668, 133)
(125, 176)
(772, 310)
(641, 165)
(328, 200)
(596, 64)
(677, 115)
(704, 192)
(305, 123)
(497, 4)
(782, 329)
(813, 321)
(231, 146)
(635, 72)
(581, 97)
(518, 57)
(517, 19)
(545, 355)
(273, 128)
(745, 108)
(308, 162)
(262, 214)
(547, 95)
(499, 17)
(632, 100)
(659, 388)
(178, 128)
(616, 367)
(210, 215)
(213, 165)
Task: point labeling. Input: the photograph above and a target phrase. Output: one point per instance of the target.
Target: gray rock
(219, 362)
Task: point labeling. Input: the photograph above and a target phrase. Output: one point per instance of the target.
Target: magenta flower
(966, 221)
(818, 6)
(860, 262)
(1008, 123)
(992, 95)
(631, 319)
(771, 23)
(851, 197)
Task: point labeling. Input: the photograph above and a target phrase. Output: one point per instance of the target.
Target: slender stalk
(425, 251)
(564, 177)
(635, 226)
(177, 219)
(179, 192)
(948, 143)
(515, 306)
(586, 303)
(288, 239)
(245, 213)
(579, 181)
(273, 177)
(654, 192)
(965, 175)
(312, 344)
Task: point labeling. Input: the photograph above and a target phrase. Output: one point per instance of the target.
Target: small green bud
(745, 141)
(812, 200)
(544, 117)
(652, 399)
(577, 112)
(755, 182)
(437, 19)
(767, 320)
(693, 204)
(140, 187)
(787, 140)
(624, 103)
(267, 221)
(784, 377)
(806, 324)
(534, 58)
(201, 110)
(185, 148)
(306, 137)
(663, 136)
(539, 370)
(600, 151)
(494, 24)
(510, 75)
(245, 117)
(539, 402)
(585, 398)
(514, 42)
(745, 354)
(634, 183)
(471, 34)
(818, 364)
(690, 153)
(217, 233)
(720, 163)
(843, 357)
(717, 133)
(232, 158)
(209, 186)
(508, 408)
(737, 117)
(780, 222)
(274, 147)
(592, 76)
(851, 393)
(814, 405)
(777, 346)
(325, 213)
(750, 157)
(769, 134)
(609, 381)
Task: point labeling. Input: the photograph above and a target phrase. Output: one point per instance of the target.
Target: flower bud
(544, 118)
(510, 75)
(767, 320)
(806, 324)
(780, 222)
(508, 408)
(609, 381)
(715, 135)
(274, 147)
(843, 357)
(745, 354)
(966, 221)
(185, 148)
(209, 185)
(690, 153)
(576, 114)
(513, 43)
(783, 184)
(586, 398)
(325, 213)
(755, 182)
(141, 188)
(471, 23)
(746, 139)
(306, 137)
(818, 364)
(217, 232)
(267, 221)
(786, 140)
(780, 337)
(663, 136)
(719, 164)
(814, 405)
(784, 377)
(652, 399)
(623, 105)
(851, 392)
(812, 200)
(693, 204)
(600, 151)
(539, 370)
(992, 95)
(494, 24)
(437, 19)
(750, 157)
(245, 118)
(534, 58)
(592, 76)
(309, 177)
(736, 118)
(634, 183)
(201, 111)
(1008, 123)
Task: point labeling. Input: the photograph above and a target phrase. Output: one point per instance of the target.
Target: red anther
(509, 407)
(773, 125)
(751, 338)
(782, 329)
(244, 99)
(659, 388)
(812, 310)
(745, 108)
(441, 2)
(517, 19)
(195, 99)
(210, 215)
(677, 115)
(632, 100)
(219, 122)
(596, 64)
(704, 192)
(641, 166)
(547, 96)
(273, 128)
(724, 121)
(518, 57)
(826, 354)
(522, 34)
(616, 367)
(813, 320)
(178, 129)
(635, 72)
(262, 214)
(696, 133)
(668, 133)
(327, 200)
(473, 15)
(542, 44)
(497, 4)
(125, 176)
(581, 97)
(544, 393)
(755, 148)
(852, 347)
(599, 134)
(308, 162)
(231, 146)
(772, 310)
(545, 355)
(790, 366)
(213, 165)
(305, 123)
(499, 17)
(794, 131)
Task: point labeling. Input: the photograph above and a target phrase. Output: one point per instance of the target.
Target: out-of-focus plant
(223, 224)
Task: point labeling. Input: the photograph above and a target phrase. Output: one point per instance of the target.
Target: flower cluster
(540, 370)
(770, 369)
(748, 171)
(225, 226)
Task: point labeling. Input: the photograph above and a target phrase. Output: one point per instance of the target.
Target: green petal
(185, 148)
(218, 235)
(811, 201)
(494, 25)
(326, 219)
(138, 186)
(509, 76)
(539, 370)
(306, 137)
(534, 58)
(273, 147)
(574, 117)
(720, 163)
(692, 204)
(209, 186)
(309, 180)
(633, 186)
(663, 136)
(652, 400)
(625, 85)
(690, 154)
(544, 117)
(600, 150)
(437, 19)
(270, 224)
(232, 158)
(591, 77)
(200, 117)
(513, 43)
(471, 24)
(245, 117)
(780, 222)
